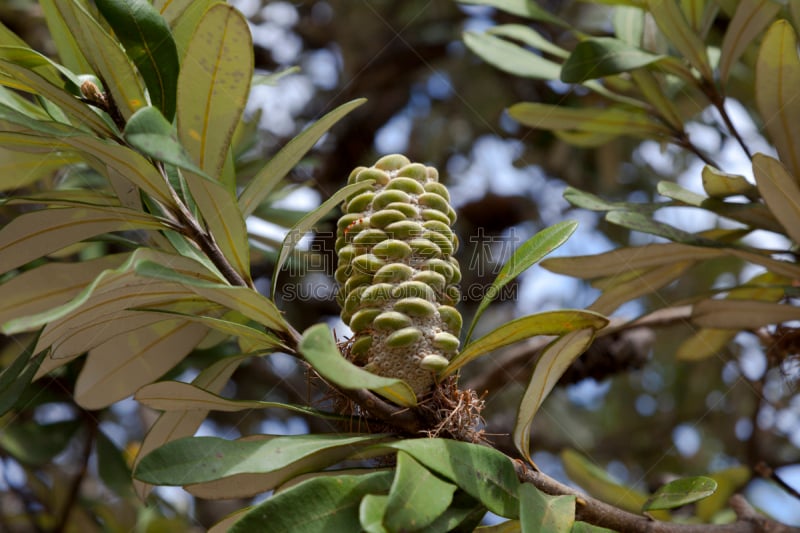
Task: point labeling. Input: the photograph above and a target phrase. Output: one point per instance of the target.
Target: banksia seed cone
(397, 274)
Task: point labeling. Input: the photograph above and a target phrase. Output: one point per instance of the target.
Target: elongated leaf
(545, 323)
(680, 492)
(242, 299)
(542, 512)
(36, 234)
(528, 254)
(603, 56)
(17, 376)
(629, 24)
(50, 285)
(704, 343)
(177, 424)
(742, 314)
(201, 459)
(19, 169)
(417, 496)
(780, 191)
(530, 37)
(179, 396)
(510, 57)
(646, 224)
(673, 24)
(585, 527)
(213, 86)
(777, 73)
(107, 58)
(327, 503)
(718, 184)
(148, 42)
(654, 91)
(587, 200)
(729, 481)
(612, 121)
(279, 166)
(484, 473)
(523, 8)
(319, 348)
(112, 466)
(70, 53)
(149, 132)
(750, 19)
(642, 283)
(552, 363)
(52, 72)
(117, 368)
(309, 221)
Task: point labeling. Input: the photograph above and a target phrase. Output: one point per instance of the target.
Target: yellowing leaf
(704, 343)
(780, 191)
(777, 79)
(750, 19)
(742, 314)
(117, 368)
(718, 184)
(683, 37)
(552, 363)
(642, 283)
(612, 121)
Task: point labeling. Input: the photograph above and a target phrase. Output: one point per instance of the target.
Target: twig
(767, 472)
(75, 486)
(601, 514)
(718, 101)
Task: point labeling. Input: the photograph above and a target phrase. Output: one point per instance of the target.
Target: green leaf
(673, 24)
(17, 376)
(36, 444)
(150, 133)
(319, 348)
(777, 72)
(179, 396)
(747, 24)
(528, 254)
(585, 527)
(309, 221)
(523, 8)
(107, 58)
(603, 56)
(509, 526)
(327, 503)
(629, 24)
(38, 233)
(417, 496)
(111, 466)
(464, 514)
(612, 121)
(530, 37)
(587, 200)
(780, 191)
(482, 472)
(510, 57)
(680, 492)
(729, 481)
(245, 300)
(279, 166)
(741, 314)
(371, 511)
(629, 286)
(545, 323)
(148, 42)
(177, 424)
(645, 224)
(213, 86)
(542, 512)
(718, 184)
(194, 460)
(551, 365)
(70, 53)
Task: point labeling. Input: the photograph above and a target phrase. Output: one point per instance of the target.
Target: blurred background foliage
(644, 418)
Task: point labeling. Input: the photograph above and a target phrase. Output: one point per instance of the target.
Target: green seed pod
(397, 273)
(391, 320)
(409, 185)
(403, 337)
(456, 270)
(354, 174)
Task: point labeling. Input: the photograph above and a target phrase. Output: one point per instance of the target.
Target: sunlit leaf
(523, 8)
(777, 75)
(780, 191)
(528, 254)
(603, 56)
(38, 233)
(319, 348)
(742, 314)
(180, 396)
(328, 504)
(750, 19)
(551, 365)
(371, 511)
(629, 24)
(611, 121)
(279, 166)
(482, 472)
(417, 496)
(683, 37)
(148, 42)
(510, 57)
(530, 37)
(107, 58)
(680, 492)
(544, 323)
(309, 221)
(718, 184)
(542, 512)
